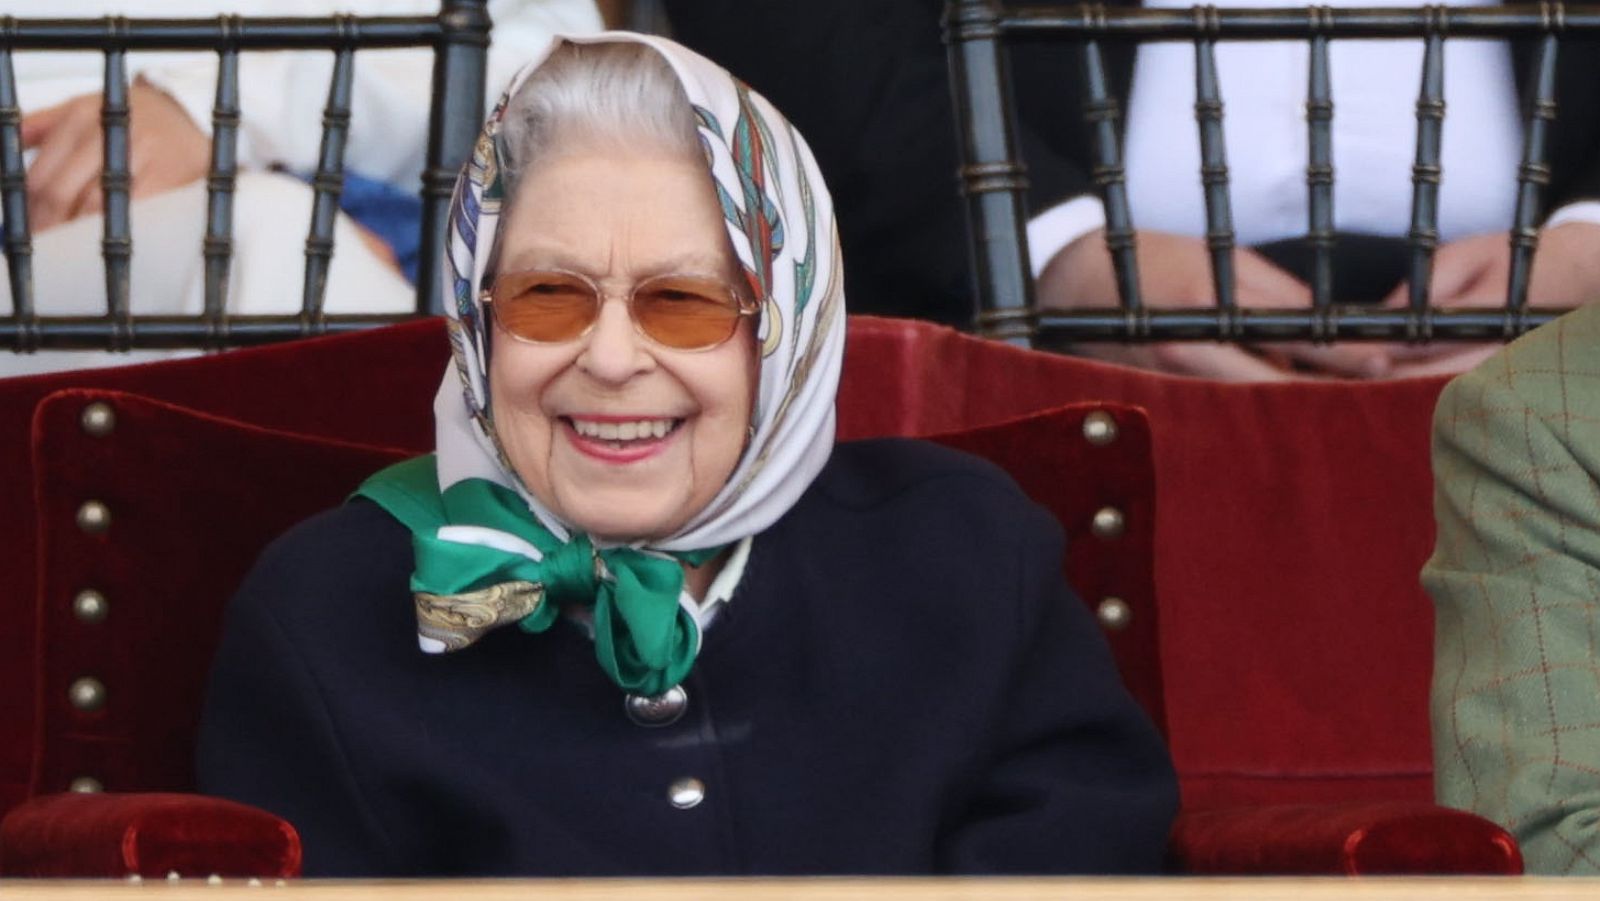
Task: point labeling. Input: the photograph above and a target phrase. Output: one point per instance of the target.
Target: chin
(605, 519)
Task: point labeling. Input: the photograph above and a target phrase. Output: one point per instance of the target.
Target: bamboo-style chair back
(459, 36)
(993, 176)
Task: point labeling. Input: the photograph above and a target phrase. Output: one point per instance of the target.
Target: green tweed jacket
(1515, 579)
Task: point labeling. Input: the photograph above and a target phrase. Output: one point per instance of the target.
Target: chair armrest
(152, 835)
(1365, 838)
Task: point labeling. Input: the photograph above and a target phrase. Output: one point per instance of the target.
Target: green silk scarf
(644, 638)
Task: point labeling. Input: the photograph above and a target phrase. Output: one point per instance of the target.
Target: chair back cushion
(192, 499)
(375, 387)
(1296, 642)
(1090, 465)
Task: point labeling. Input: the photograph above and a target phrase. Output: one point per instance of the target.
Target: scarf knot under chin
(482, 561)
(569, 574)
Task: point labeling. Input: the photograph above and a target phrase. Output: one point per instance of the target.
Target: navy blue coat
(902, 684)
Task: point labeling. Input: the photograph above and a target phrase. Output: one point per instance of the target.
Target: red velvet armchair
(1289, 665)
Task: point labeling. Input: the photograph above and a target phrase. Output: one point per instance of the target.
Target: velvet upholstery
(194, 498)
(372, 387)
(112, 836)
(1296, 640)
(1290, 664)
(1357, 839)
(1082, 477)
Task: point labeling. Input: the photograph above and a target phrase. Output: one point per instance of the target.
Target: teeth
(623, 431)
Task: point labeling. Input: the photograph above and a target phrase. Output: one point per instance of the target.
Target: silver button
(94, 517)
(87, 693)
(89, 606)
(1099, 428)
(85, 785)
(1114, 614)
(98, 419)
(660, 710)
(1108, 523)
(686, 792)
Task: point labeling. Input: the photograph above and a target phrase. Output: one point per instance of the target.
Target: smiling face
(617, 435)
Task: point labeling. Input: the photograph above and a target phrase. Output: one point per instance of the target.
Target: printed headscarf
(488, 552)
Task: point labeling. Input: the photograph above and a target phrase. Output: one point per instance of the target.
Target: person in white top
(878, 107)
(1374, 87)
(281, 99)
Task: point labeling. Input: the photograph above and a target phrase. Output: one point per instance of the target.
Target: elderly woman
(739, 648)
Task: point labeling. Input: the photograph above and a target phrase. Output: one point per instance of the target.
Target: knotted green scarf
(644, 639)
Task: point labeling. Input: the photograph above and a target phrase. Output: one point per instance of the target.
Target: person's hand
(1473, 273)
(1175, 271)
(378, 247)
(165, 150)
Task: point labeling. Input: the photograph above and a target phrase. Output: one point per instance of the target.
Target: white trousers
(271, 217)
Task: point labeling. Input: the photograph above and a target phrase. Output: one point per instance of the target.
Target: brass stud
(1114, 614)
(1108, 523)
(87, 694)
(86, 785)
(94, 517)
(1099, 429)
(98, 419)
(89, 606)
(172, 876)
(214, 879)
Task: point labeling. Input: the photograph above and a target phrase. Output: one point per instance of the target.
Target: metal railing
(459, 35)
(994, 181)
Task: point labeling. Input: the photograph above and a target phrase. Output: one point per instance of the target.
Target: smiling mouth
(623, 434)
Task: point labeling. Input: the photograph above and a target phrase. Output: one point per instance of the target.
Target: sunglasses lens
(544, 306)
(685, 313)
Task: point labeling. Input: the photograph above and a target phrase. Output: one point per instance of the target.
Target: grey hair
(589, 97)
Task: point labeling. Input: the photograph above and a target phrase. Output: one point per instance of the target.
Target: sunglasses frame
(746, 307)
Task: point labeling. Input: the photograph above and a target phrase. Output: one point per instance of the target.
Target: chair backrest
(1090, 464)
(459, 36)
(149, 511)
(1296, 643)
(145, 530)
(980, 33)
(373, 389)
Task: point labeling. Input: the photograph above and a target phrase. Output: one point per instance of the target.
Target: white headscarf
(780, 221)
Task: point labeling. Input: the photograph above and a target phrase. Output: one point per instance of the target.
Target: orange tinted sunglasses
(551, 306)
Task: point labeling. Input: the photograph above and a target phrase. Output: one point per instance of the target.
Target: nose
(614, 352)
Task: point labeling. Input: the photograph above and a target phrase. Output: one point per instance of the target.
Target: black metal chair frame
(993, 177)
(459, 35)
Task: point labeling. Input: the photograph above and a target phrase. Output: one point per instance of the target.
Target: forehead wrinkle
(546, 254)
(629, 239)
(623, 259)
(621, 236)
(554, 256)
